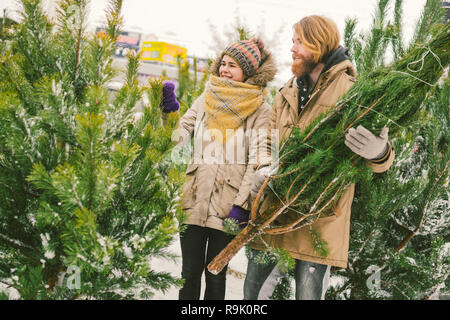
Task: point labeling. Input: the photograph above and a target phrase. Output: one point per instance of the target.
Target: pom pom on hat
(258, 42)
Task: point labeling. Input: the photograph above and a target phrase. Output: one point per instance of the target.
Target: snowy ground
(235, 275)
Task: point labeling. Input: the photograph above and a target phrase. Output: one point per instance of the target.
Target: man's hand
(258, 179)
(364, 143)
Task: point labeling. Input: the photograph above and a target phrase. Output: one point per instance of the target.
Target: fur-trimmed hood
(265, 73)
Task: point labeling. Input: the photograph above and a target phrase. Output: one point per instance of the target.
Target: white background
(188, 23)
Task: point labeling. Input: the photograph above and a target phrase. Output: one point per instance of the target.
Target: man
(322, 74)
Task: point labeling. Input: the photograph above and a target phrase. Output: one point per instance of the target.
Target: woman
(224, 122)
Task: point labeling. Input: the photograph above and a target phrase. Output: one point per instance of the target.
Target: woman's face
(230, 69)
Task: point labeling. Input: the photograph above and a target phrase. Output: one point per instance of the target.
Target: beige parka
(212, 187)
(334, 229)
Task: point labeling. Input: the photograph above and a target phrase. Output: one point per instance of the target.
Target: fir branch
(437, 288)
(75, 194)
(320, 246)
(22, 247)
(349, 35)
(411, 235)
(231, 226)
(393, 285)
(78, 53)
(91, 171)
(397, 39)
(432, 14)
(293, 226)
(360, 250)
(374, 50)
(13, 74)
(72, 16)
(33, 38)
(114, 19)
(134, 59)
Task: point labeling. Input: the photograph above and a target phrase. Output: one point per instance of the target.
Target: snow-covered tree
(399, 245)
(87, 192)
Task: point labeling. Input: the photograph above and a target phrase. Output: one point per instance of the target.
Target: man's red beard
(303, 66)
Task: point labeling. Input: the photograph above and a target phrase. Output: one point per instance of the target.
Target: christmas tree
(399, 231)
(305, 189)
(88, 194)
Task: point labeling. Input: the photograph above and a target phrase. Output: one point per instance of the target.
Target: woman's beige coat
(219, 176)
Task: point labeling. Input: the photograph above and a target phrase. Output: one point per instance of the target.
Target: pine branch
(349, 36)
(411, 235)
(78, 53)
(134, 59)
(92, 167)
(296, 225)
(22, 247)
(397, 39)
(374, 49)
(114, 19)
(12, 74)
(369, 236)
(33, 38)
(432, 14)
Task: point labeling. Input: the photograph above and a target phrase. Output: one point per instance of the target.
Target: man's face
(302, 60)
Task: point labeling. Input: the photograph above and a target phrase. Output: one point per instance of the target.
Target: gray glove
(364, 143)
(258, 179)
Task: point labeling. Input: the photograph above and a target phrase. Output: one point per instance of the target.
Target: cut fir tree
(400, 228)
(84, 192)
(304, 190)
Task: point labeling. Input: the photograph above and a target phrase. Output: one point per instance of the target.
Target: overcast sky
(187, 22)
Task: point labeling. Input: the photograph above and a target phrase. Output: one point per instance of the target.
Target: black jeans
(196, 244)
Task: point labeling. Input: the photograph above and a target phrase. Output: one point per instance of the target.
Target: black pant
(196, 242)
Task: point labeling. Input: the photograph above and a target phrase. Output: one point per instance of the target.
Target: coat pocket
(190, 187)
(231, 184)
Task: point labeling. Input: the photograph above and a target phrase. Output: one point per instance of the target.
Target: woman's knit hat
(247, 54)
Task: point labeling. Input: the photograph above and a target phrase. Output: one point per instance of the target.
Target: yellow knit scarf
(227, 105)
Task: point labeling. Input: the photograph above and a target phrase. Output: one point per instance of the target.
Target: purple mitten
(240, 215)
(169, 102)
